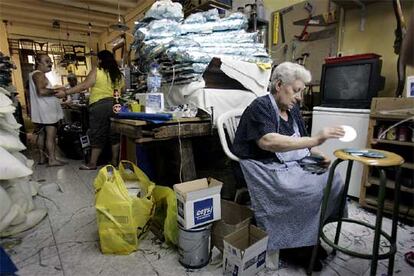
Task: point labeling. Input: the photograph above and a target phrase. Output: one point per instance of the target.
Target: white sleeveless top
(44, 109)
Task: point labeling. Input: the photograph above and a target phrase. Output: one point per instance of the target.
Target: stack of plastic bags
(185, 47)
(17, 210)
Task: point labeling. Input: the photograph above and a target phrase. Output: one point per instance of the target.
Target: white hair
(287, 72)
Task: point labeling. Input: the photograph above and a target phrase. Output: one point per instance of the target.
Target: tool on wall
(279, 25)
(400, 32)
(304, 34)
(293, 50)
(282, 27)
(276, 17)
(304, 58)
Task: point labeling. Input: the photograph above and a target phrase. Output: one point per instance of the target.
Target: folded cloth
(155, 118)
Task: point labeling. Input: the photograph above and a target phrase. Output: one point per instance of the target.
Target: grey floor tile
(67, 243)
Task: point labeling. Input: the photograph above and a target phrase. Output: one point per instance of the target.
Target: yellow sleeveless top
(103, 87)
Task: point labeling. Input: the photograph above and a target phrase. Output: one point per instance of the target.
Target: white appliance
(356, 118)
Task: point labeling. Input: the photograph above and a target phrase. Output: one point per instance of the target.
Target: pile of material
(184, 48)
(6, 67)
(17, 210)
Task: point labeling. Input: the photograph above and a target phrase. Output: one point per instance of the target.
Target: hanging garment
(286, 199)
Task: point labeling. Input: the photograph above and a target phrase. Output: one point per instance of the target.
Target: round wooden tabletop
(390, 159)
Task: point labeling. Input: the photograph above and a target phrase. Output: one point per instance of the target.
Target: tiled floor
(66, 241)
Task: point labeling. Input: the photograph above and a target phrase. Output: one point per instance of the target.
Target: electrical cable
(172, 81)
(181, 150)
(382, 134)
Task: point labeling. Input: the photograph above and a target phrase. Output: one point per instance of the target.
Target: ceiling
(72, 15)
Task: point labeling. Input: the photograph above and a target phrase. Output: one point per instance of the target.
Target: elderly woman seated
(270, 140)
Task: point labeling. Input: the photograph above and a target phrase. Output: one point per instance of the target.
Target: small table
(181, 130)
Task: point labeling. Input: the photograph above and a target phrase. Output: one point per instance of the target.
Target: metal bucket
(194, 246)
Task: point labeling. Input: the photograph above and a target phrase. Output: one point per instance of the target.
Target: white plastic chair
(228, 122)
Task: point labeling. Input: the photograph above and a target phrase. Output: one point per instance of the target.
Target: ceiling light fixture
(120, 25)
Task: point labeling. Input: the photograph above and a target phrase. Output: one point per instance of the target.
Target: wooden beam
(84, 6)
(21, 31)
(142, 6)
(122, 3)
(33, 24)
(51, 17)
(16, 17)
(56, 9)
(53, 40)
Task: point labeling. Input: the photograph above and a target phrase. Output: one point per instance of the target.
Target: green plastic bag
(166, 213)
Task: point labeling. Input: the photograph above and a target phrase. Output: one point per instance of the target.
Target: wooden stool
(390, 160)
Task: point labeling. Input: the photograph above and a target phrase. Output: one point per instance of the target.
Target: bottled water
(154, 99)
(154, 79)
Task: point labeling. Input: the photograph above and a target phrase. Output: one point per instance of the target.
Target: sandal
(409, 258)
(87, 168)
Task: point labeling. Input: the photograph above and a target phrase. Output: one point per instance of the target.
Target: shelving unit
(386, 112)
(204, 6)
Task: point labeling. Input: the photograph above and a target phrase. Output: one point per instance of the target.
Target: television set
(351, 82)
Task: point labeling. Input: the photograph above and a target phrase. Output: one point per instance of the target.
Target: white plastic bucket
(194, 246)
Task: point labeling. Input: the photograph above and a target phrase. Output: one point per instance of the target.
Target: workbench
(177, 133)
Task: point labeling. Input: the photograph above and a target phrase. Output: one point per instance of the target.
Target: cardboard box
(233, 217)
(198, 202)
(245, 251)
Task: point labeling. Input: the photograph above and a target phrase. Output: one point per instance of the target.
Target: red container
(333, 60)
(403, 134)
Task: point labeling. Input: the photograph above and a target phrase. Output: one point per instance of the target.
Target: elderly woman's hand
(330, 133)
(326, 160)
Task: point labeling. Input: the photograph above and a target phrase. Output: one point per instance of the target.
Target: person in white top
(46, 111)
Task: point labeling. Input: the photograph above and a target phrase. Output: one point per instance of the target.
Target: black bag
(69, 140)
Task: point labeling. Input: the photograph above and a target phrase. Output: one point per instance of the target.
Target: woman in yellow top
(106, 82)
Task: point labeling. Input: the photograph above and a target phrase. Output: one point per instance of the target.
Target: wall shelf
(318, 20)
(406, 212)
(392, 142)
(390, 184)
(353, 4)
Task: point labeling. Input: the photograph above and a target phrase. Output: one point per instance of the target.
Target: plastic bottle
(154, 99)
(260, 9)
(154, 79)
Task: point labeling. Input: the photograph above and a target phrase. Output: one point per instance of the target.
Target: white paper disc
(350, 134)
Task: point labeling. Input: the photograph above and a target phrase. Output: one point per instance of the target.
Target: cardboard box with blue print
(245, 251)
(198, 202)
